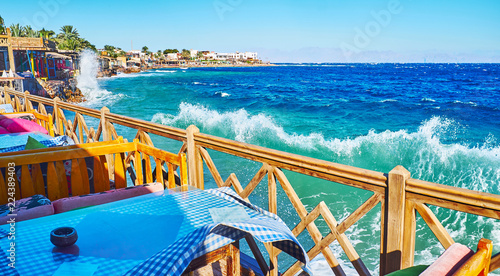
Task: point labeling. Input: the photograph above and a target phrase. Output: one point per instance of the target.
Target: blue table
(159, 232)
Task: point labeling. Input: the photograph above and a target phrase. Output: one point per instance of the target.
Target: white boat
(183, 68)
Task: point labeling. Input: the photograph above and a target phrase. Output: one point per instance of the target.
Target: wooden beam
(211, 166)
(191, 157)
(409, 235)
(434, 224)
(393, 223)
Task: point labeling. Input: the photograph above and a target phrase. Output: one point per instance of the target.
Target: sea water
(439, 121)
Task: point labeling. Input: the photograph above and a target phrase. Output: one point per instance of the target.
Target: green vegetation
(2, 26)
(113, 51)
(170, 51)
(186, 54)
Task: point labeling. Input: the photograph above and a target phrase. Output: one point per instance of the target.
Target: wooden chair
(111, 160)
(479, 263)
(44, 120)
(230, 252)
(457, 260)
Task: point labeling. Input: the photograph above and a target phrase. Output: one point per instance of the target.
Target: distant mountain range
(336, 55)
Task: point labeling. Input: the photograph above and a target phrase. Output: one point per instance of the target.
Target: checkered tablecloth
(53, 142)
(197, 235)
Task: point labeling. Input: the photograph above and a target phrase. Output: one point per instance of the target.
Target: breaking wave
(422, 152)
(88, 83)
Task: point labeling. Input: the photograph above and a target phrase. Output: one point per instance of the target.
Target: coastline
(130, 70)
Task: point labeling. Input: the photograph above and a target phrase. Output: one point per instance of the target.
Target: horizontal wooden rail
(158, 129)
(459, 199)
(67, 154)
(367, 179)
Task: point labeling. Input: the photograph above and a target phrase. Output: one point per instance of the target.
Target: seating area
(457, 260)
(41, 173)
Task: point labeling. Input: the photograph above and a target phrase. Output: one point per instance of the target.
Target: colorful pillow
(3, 130)
(27, 208)
(451, 260)
(17, 125)
(71, 203)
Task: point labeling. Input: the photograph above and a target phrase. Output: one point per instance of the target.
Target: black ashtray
(63, 236)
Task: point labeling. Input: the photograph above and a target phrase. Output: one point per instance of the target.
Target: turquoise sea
(440, 121)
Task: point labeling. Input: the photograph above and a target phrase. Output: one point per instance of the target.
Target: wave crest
(422, 152)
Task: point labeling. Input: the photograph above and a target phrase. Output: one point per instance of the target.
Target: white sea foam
(421, 151)
(388, 100)
(428, 100)
(222, 94)
(87, 81)
(469, 103)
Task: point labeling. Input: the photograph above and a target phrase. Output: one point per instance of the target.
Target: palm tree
(16, 30)
(145, 49)
(29, 32)
(2, 26)
(68, 32)
(70, 44)
(48, 34)
(186, 54)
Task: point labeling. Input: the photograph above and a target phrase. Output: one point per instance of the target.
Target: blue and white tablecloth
(17, 141)
(153, 215)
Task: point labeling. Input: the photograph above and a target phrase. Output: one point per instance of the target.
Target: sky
(282, 31)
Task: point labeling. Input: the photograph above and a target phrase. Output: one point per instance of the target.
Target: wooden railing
(400, 195)
(125, 157)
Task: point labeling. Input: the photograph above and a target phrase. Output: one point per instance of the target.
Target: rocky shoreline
(68, 91)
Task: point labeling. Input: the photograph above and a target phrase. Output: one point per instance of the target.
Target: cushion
(6, 108)
(3, 130)
(34, 144)
(16, 125)
(27, 208)
(456, 255)
(71, 203)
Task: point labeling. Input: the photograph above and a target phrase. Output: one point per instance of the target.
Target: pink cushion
(3, 130)
(456, 255)
(70, 203)
(28, 208)
(16, 125)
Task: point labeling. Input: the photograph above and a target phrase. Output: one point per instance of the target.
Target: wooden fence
(401, 197)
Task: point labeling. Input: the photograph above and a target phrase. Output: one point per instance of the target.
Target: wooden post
(195, 167)
(271, 182)
(27, 107)
(6, 94)
(57, 119)
(391, 243)
(409, 234)
(11, 53)
(106, 136)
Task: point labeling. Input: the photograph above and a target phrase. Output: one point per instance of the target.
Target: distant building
(194, 53)
(173, 56)
(136, 54)
(236, 56)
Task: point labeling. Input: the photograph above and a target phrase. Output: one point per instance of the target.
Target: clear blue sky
(302, 31)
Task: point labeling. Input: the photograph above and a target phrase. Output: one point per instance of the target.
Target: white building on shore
(236, 56)
(229, 56)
